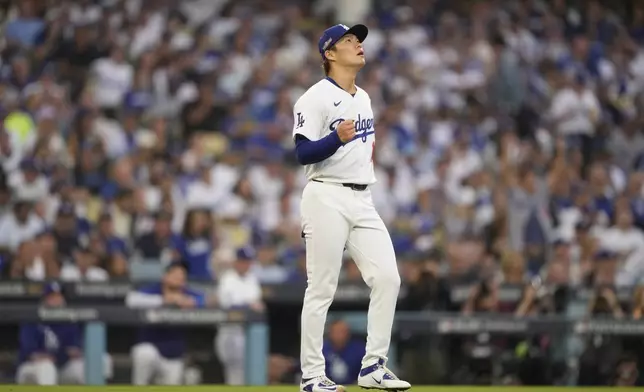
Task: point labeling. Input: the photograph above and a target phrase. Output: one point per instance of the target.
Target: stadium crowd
(509, 141)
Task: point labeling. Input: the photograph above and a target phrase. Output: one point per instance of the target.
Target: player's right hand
(346, 131)
(171, 298)
(187, 302)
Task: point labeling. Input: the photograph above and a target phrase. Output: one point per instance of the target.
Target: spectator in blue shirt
(194, 247)
(114, 244)
(159, 354)
(24, 29)
(343, 353)
(50, 352)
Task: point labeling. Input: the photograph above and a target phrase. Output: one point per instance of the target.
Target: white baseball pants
(44, 372)
(335, 217)
(149, 366)
(230, 345)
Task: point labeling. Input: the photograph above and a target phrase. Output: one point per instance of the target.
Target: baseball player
(335, 139)
(238, 288)
(159, 353)
(50, 353)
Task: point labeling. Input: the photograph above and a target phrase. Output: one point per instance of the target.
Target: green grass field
(289, 388)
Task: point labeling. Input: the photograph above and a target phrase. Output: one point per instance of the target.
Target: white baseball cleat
(377, 376)
(320, 384)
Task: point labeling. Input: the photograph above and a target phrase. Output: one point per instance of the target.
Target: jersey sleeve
(147, 297)
(225, 292)
(308, 118)
(72, 337)
(31, 341)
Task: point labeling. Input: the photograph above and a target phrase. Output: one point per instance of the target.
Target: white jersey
(318, 112)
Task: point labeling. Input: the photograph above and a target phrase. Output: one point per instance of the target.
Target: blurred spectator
(604, 302)
(343, 353)
(159, 354)
(637, 305)
(37, 260)
(53, 353)
(298, 274)
(238, 289)
(266, 267)
(116, 248)
(47, 348)
(537, 363)
(194, 246)
(604, 268)
(575, 111)
(351, 272)
(83, 268)
(204, 192)
(202, 115)
(483, 298)
(539, 299)
(68, 232)
(157, 244)
(123, 213)
(627, 241)
(24, 29)
(627, 373)
(427, 290)
(513, 268)
(28, 184)
(600, 359)
(19, 226)
(112, 79)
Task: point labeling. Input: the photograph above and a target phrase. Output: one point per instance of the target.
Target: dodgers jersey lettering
(318, 112)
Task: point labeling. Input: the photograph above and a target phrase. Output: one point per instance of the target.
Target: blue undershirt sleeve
(308, 152)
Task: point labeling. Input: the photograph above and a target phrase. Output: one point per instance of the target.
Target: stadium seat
(146, 270)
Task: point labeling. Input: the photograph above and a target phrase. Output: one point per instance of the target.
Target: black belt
(355, 187)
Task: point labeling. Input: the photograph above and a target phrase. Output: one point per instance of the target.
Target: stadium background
(509, 156)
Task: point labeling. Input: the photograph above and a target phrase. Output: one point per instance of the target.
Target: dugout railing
(95, 319)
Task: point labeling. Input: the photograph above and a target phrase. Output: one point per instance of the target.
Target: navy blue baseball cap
(29, 164)
(560, 241)
(245, 253)
(584, 224)
(50, 288)
(605, 254)
(334, 33)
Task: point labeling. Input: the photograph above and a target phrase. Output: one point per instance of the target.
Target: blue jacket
(170, 341)
(53, 339)
(343, 365)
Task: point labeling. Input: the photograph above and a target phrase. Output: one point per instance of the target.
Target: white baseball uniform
(235, 290)
(335, 217)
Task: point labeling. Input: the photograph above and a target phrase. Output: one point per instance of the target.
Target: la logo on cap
(345, 27)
